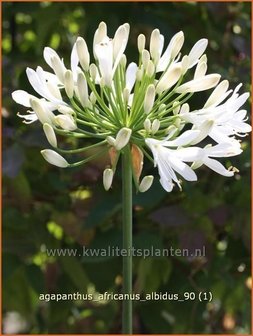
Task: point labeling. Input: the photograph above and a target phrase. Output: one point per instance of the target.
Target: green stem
(127, 239)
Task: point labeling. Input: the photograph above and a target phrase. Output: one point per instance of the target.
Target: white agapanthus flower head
(105, 98)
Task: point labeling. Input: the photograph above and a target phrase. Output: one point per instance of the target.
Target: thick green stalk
(127, 238)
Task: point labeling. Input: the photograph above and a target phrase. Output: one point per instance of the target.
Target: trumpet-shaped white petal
(22, 97)
(74, 61)
(99, 35)
(83, 53)
(196, 52)
(219, 94)
(227, 120)
(38, 81)
(168, 162)
(169, 78)
(109, 52)
(28, 118)
(54, 158)
(58, 67)
(131, 75)
(171, 52)
(120, 41)
(104, 54)
(199, 84)
(220, 150)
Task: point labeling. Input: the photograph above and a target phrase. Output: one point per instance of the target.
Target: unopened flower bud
(197, 51)
(126, 95)
(54, 158)
(111, 141)
(149, 98)
(93, 98)
(147, 125)
(43, 114)
(66, 122)
(177, 44)
(200, 70)
(123, 61)
(83, 53)
(185, 108)
(145, 58)
(177, 122)
(161, 108)
(200, 84)
(66, 110)
(102, 82)
(176, 107)
(93, 72)
(50, 134)
(185, 64)
(122, 138)
(107, 178)
(69, 83)
(82, 89)
(155, 126)
(139, 74)
(141, 42)
(155, 45)
(146, 183)
(150, 69)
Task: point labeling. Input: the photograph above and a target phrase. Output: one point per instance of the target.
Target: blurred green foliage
(47, 207)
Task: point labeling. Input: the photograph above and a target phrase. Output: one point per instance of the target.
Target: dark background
(47, 207)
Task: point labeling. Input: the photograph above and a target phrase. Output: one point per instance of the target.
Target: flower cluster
(143, 105)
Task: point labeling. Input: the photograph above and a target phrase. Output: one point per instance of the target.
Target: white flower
(109, 51)
(170, 160)
(110, 100)
(220, 150)
(227, 119)
(171, 51)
